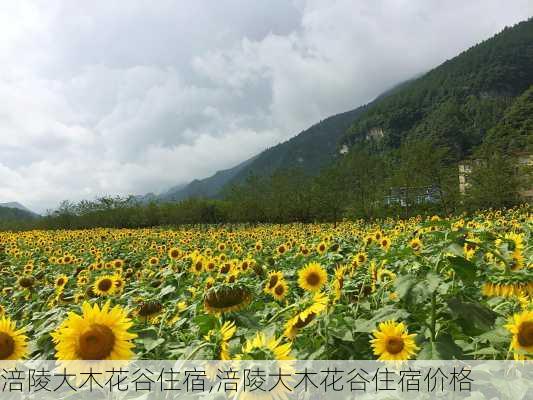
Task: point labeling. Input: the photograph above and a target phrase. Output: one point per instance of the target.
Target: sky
(130, 97)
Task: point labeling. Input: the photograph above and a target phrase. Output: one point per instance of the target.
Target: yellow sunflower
(13, 344)
(312, 277)
(61, 281)
(280, 290)
(97, 334)
(104, 286)
(393, 342)
(174, 253)
(521, 326)
(305, 317)
(197, 266)
(385, 243)
(415, 244)
(272, 280)
(226, 298)
(321, 248)
(221, 339)
(261, 347)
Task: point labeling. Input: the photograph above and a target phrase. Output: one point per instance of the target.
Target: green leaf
(473, 318)
(403, 285)
(455, 249)
(444, 348)
(205, 323)
(166, 290)
(497, 336)
(363, 325)
(342, 334)
(464, 269)
(150, 343)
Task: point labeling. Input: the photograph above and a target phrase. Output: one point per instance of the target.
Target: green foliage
(514, 133)
(458, 102)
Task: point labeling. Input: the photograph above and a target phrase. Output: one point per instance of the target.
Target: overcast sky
(120, 97)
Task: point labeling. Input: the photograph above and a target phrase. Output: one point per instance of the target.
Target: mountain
(16, 205)
(208, 187)
(514, 132)
(15, 211)
(460, 104)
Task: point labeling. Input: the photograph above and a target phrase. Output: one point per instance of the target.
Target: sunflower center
(105, 285)
(279, 290)
(525, 334)
(273, 281)
(394, 345)
(7, 345)
(313, 279)
(96, 343)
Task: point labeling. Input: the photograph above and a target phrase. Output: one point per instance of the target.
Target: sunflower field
(424, 288)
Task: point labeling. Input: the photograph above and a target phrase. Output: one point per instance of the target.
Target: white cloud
(130, 97)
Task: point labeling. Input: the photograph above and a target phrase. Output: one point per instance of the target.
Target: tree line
(419, 177)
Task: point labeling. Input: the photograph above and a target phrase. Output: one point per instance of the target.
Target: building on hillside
(524, 165)
(409, 196)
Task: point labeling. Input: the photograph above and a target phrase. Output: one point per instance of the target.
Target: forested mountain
(458, 102)
(206, 188)
(11, 213)
(514, 132)
(310, 150)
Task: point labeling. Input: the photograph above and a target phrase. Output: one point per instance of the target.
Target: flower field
(423, 288)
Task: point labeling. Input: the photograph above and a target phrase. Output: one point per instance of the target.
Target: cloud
(130, 97)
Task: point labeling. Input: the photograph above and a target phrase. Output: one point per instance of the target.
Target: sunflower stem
(433, 316)
(196, 350)
(281, 312)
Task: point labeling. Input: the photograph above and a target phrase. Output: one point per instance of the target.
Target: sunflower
(149, 310)
(26, 282)
(61, 281)
(385, 243)
(516, 246)
(226, 298)
(384, 275)
(174, 253)
(305, 317)
(119, 283)
(338, 283)
(153, 261)
(469, 250)
(393, 342)
(97, 334)
(415, 244)
(521, 326)
(321, 248)
(221, 339)
(272, 280)
(312, 277)
(280, 290)
(197, 266)
(261, 347)
(13, 344)
(507, 288)
(104, 286)
(361, 258)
